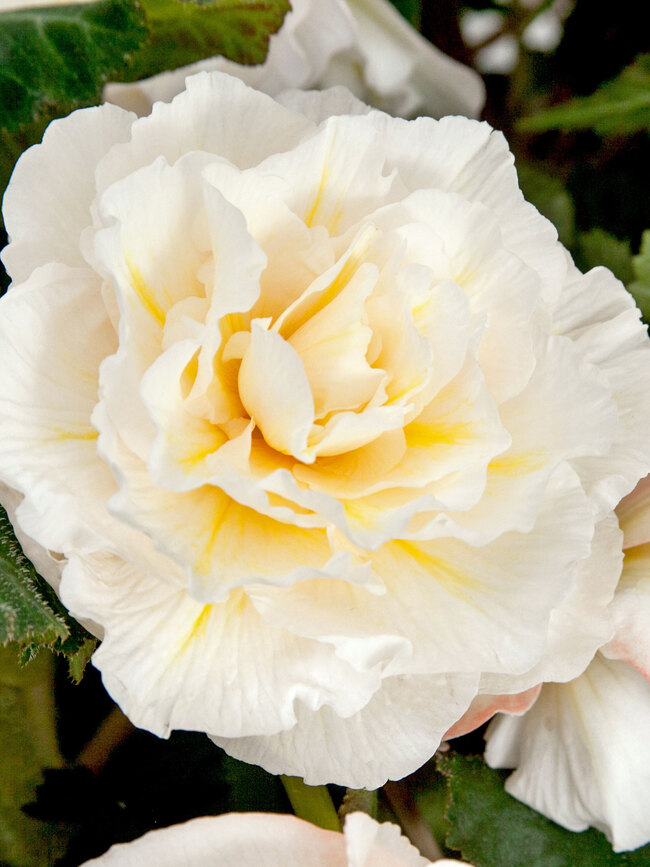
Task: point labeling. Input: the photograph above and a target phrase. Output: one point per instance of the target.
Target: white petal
(47, 203)
(171, 662)
(608, 333)
(214, 114)
(354, 751)
(49, 443)
(369, 844)
(582, 753)
(407, 73)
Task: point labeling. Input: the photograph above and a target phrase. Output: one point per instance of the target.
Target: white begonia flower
(325, 423)
(582, 752)
(365, 45)
(268, 840)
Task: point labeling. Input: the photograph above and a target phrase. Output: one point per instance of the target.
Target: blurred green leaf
(551, 199)
(492, 829)
(31, 615)
(28, 745)
(619, 107)
(411, 10)
(598, 247)
(640, 286)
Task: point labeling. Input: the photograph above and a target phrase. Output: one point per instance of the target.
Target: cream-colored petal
(172, 662)
(337, 174)
(274, 389)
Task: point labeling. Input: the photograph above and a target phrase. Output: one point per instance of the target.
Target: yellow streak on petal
(425, 435)
(204, 563)
(144, 292)
(83, 434)
(455, 581)
(319, 198)
(518, 464)
(195, 633)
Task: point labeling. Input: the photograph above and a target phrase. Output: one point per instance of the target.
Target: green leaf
(182, 32)
(492, 829)
(551, 199)
(31, 614)
(27, 746)
(598, 247)
(619, 107)
(411, 10)
(640, 286)
(60, 57)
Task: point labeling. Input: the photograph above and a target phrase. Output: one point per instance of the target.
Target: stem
(312, 803)
(416, 829)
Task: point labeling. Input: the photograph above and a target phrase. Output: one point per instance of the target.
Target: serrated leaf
(619, 107)
(492, 829)
(551, 199)
(598, 247)
(25, 614)
(31, 614)
(28, 745)
(640, 286)
(182, 32)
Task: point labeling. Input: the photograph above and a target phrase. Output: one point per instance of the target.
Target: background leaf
(28, 745)
(493, 829)
(551, 199)
(640, 286)
(30, 612)
(411, 10)
(619, 107)
(598, 247)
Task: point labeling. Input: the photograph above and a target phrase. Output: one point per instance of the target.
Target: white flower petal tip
(332, 461)
(581, 752)
(267, 840)
(364, 45)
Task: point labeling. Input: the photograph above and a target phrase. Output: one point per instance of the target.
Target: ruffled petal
(326, 748)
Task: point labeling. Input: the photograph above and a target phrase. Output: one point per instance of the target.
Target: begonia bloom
(320, 423)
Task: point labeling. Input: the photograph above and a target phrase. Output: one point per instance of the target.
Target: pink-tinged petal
(582, 753)
(484, 707)
(231, 840)
(630, 612)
